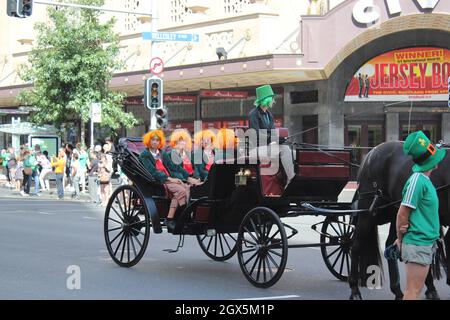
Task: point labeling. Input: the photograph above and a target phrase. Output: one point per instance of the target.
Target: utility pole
(83, 6)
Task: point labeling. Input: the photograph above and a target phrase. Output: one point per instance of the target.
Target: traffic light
(161, 118)
(19, 8)
(153, 93)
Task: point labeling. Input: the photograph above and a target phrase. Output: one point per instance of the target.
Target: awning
(25, 128)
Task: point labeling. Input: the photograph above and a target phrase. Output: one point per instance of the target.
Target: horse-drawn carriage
(237, 210)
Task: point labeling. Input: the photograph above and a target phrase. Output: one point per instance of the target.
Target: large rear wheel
(126, 226)
(262, 247)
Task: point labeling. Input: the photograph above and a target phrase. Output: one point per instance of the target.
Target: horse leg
(394, 274)
(447, 254)
(431, 292)
(363, 226)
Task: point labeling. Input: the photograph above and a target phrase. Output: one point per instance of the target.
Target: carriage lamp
(240, 179)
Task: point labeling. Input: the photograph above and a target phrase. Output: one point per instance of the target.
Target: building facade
(312, 53)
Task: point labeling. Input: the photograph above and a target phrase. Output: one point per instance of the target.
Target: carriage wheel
(262, 247)
(126, 226)
(337, 234)
(219, 247)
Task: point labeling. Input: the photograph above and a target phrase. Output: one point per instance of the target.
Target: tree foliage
(71, 66)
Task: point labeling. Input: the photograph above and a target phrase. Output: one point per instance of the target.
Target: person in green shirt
(418, 215)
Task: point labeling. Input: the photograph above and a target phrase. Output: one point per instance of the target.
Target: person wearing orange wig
(226, 143)
(156, 161)
(204, 154)
(181, 157)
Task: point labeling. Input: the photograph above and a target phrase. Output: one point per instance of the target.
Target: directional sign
(170, 36)
(156, 65)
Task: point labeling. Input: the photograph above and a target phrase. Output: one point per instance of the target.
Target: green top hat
(425, 155)
(263, 94)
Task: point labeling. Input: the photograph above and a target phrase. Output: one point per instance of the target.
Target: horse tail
(439, 260)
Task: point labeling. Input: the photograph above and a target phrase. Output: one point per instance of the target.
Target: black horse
(381, 178)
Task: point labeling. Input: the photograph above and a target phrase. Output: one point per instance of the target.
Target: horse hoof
(432, 295)
(355, 296)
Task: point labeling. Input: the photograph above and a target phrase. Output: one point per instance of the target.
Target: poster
(409, 74)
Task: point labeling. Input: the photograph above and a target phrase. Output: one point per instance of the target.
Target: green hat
(424, 154)
(262, 93)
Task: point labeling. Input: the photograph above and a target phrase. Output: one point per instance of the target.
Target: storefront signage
(223, 94)
(419, 73)
(172, 98)
(366, 12)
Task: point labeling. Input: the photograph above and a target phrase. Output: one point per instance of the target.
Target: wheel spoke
(134, 248)
(111, 242)
(274, 235)
(269, 229)
(275, 253)
(140, 232)
(221, 244)
(118, 214)
(121, 238)
(254, 227)
(329, 256)
(251, 258)
(273, 261)
(128, 249)
(259, 269)
(123, 248)
(140, 244)
(209, 243)
(269, 267)
(249, 250)
(254, 265)
(337, 258)
(109, 218)
(342, 263)
(332, 226)
(215, 245)
(129, 203)
(251, 235)
(120, 206)
(226, 242)
(109, 230)
(264, 269)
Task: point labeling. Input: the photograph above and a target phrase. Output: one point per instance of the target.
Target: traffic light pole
(153, 54)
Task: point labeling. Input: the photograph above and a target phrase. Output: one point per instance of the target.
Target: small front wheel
(220, 247)
(262, 247)
(126, 226)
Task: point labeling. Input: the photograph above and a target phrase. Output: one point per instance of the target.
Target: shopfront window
(374, 135)
(430, 130)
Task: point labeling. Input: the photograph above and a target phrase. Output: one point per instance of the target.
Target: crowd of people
(75, 170)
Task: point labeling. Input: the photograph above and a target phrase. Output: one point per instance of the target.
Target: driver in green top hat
(418, 215)
(261, 120)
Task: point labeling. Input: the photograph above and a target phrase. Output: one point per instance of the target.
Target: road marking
(92, 218)
(271, 298)
(47, 213)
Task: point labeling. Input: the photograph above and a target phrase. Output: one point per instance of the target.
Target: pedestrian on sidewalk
(46, 169)
(105, 179)
(93, 177)
(60, 164)
(83, 159)
(75, 172)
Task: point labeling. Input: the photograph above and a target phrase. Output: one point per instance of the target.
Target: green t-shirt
(420, 195)
(83, 160)
(5, 159)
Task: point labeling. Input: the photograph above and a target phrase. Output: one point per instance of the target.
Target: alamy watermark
(73, 281)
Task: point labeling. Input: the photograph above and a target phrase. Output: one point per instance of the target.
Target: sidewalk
(44, 195)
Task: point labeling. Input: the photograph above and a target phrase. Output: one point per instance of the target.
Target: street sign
(156, 65)
(96, 112)
(170, 36)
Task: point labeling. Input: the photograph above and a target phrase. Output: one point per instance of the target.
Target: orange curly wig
(147, 138)
(181, 134)
(226, 139)
(204, 134)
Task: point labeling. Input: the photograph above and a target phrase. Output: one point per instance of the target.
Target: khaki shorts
(422, 255)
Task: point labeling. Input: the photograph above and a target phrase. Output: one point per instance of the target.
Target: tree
(71, 66)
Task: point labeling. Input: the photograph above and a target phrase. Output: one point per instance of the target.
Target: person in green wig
(261, 120)
(418, 215)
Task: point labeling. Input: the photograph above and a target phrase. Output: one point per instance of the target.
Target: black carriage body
(237, 209)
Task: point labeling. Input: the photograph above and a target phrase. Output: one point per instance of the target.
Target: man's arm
(402, 222)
